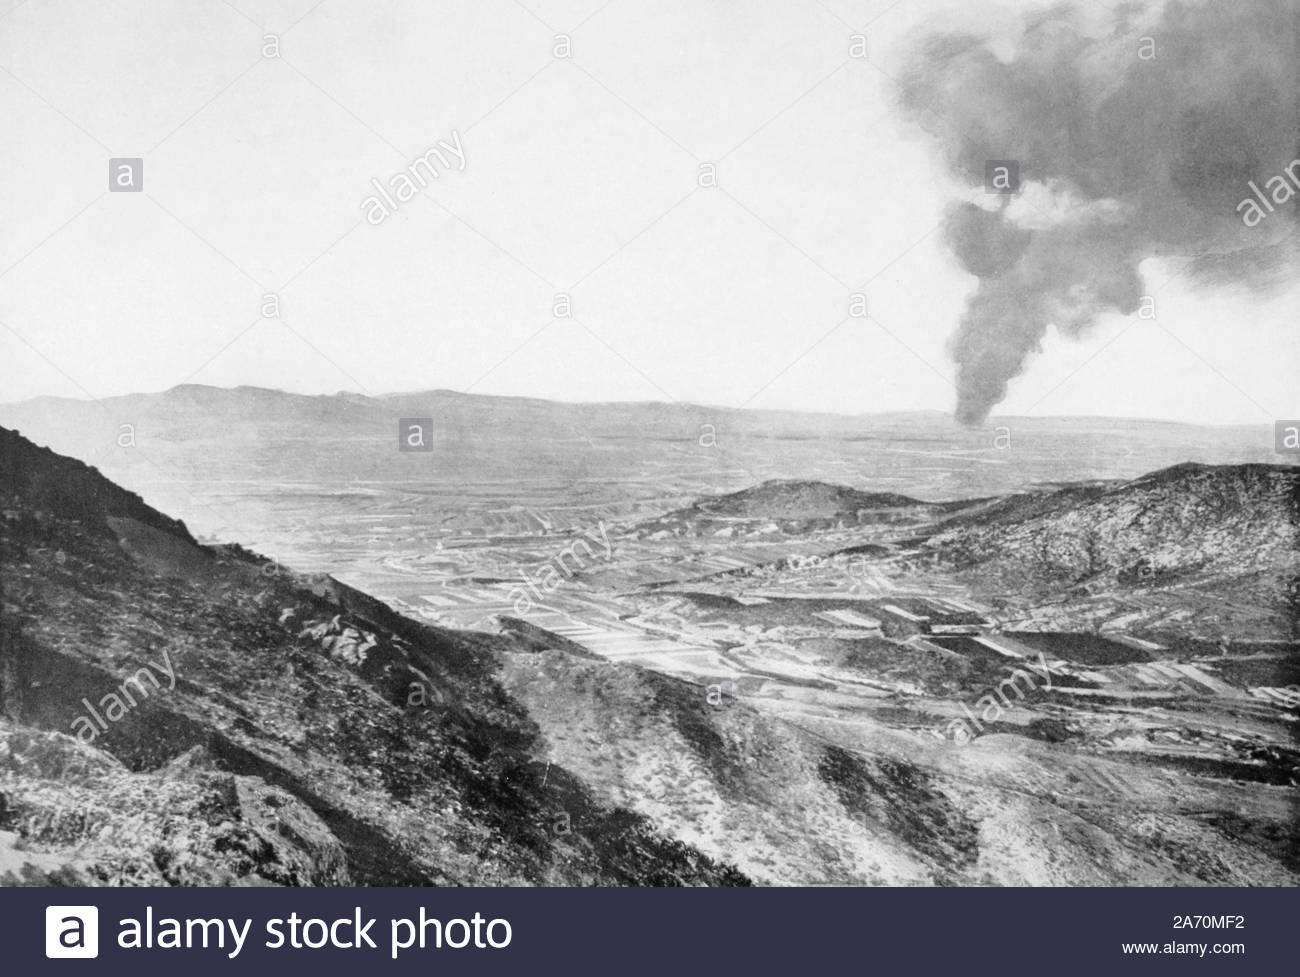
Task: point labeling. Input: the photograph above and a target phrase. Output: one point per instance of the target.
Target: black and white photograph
(627, 444)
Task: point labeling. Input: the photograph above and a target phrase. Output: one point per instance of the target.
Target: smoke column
(1138, 143)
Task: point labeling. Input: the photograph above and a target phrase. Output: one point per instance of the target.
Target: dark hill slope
(793, 506)
(1228, 519)
(186, 715)
(794, 499)
(47, 486)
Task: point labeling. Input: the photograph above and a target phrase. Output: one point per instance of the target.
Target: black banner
(650, 931)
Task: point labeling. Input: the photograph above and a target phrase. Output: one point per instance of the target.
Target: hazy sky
(581, 175)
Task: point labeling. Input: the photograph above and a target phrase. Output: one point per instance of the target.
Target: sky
(669, 201)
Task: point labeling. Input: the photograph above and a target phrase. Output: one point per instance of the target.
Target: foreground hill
(179, 714)
(188, 715)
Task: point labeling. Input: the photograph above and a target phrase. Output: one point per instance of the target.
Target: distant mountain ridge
(248, 400)
(168, 446)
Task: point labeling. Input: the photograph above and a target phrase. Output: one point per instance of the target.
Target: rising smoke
(1139, 142)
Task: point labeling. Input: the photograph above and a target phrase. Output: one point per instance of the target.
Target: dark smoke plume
(1139, 143)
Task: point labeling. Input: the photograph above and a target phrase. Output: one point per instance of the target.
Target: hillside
(1182, 520)
(789, 506)
(797, 500)
(300, 733)
(174, 714)
(303, 734)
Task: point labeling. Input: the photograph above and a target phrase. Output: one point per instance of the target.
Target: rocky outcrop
(1237, 519)
(73, 814)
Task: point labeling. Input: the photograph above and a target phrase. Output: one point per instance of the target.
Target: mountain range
(224, 459)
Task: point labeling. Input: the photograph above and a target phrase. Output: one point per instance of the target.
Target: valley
(1163, 692)
(844, 676)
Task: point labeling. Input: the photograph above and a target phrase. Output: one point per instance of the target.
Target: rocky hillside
(811, 799)
(174, 714)
(784, 805)
(1174, 523)
(178, 714)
